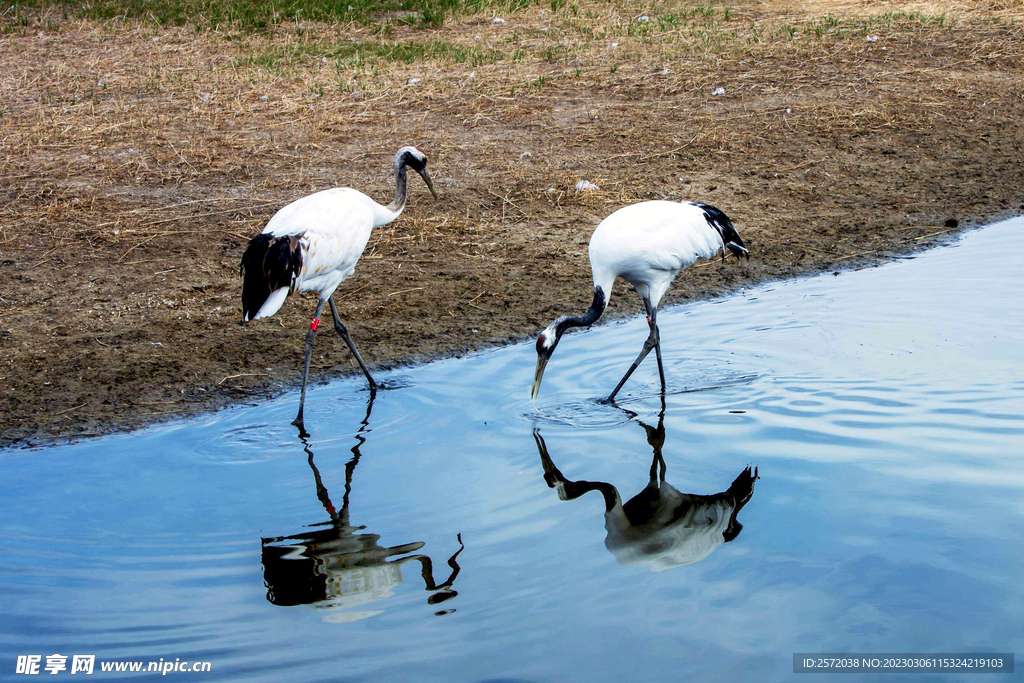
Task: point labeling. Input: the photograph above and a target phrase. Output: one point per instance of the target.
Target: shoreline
(272, 390)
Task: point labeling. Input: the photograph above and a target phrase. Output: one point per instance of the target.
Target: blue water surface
(427, 539)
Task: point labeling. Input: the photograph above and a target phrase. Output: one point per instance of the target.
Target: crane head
(547, 340)
(546, 343)
(414, 158)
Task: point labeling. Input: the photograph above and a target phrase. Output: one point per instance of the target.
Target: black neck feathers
(589, 318)
(401, 183)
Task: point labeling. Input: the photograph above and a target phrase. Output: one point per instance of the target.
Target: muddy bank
(126, 208)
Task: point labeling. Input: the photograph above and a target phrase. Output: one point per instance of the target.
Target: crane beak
(429, 182)
(538, 374)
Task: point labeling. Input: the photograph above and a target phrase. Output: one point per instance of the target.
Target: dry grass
(275, 114)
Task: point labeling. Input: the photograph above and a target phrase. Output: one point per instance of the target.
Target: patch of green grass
(538, 84)
(784, 32)
(839, 28)
(258, 15)
(668, 22)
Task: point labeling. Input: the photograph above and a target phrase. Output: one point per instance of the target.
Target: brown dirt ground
(136, 161)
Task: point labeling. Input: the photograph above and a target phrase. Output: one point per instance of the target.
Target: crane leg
(648, 345)
(652, 316)
(310, 339)
(343, 331)
(653, 342)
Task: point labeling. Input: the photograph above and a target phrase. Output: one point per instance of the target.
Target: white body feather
(333, 227)
(647, 244)
(668, 540)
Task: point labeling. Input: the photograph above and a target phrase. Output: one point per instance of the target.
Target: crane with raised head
(313, 245)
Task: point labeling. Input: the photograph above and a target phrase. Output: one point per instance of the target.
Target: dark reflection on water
(882, 407)
(660, 527)
(336, 567)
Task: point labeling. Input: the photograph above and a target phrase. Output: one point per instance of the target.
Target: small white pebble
(264, 98)
(883, 47)
(718, 91)
(643, 17)
(476, 37)
(497, 20)
(664, 72)
(324, 60)
(614, 45)
(550, 190)
(101, 84)
(414, 81)
(584, 185)
(527, 155)
(788, 110)
(472, 74)
(872, 39)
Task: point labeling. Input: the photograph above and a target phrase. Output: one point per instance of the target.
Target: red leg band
(314, 324)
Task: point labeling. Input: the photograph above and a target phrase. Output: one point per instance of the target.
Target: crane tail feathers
(741, 491)
(270, 266)
(731, 239)
(743, 487)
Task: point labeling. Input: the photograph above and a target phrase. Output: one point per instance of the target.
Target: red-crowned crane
(645, 244)
(312, 245)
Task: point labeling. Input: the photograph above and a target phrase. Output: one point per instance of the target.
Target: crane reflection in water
(660, 527)
(335, 567)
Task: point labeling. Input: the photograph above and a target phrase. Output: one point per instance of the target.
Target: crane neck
(589, 318)
(396, 207)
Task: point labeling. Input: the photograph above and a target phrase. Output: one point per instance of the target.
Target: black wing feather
(717, 219)
(268, 264)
